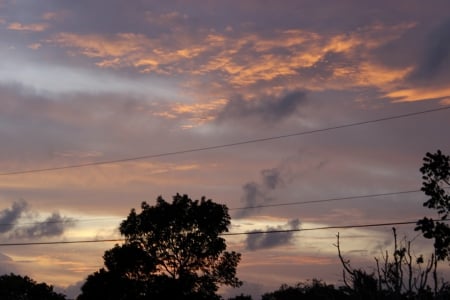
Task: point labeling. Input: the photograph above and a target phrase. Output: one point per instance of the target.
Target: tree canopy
(171, 251)
(16, 287)
(436, 176)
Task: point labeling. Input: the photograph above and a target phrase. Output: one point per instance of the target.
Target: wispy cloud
(264, 109)
(36, 27)
(255, 194)
(429, 78)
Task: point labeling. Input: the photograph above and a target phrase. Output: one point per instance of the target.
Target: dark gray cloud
(272, 178)
(255, 241)
(54, 225)
(256, 194)
(253, 194)
(9, 216)
(435, 59)
(265, 109)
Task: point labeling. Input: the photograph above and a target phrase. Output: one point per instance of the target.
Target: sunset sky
(105, 80)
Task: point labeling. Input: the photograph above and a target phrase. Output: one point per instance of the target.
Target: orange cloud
(377, 75)
(35, 46)
(121, 45)
(36, 27)
(418, 94)
(96, 177)
(245, 60)
(196, 113)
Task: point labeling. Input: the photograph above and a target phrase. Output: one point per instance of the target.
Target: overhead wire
(248, 207)
(327, 200)
(71, 220)
(214, 147)
(226, 234)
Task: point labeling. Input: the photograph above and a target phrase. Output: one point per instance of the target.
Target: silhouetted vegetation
(315, 290)
(436, 176)
(16, 287)
(171, 251)
(241, 297)
(399, 275)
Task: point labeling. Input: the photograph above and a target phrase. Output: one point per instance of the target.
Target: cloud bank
(18, 223)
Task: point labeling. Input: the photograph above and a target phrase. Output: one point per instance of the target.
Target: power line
(320, 228)
(327, 200)
(69, 220)
(234, 208)
(214, 147)
(61, 242)
(225, 234)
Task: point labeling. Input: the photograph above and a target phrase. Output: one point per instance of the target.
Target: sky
(106, 80)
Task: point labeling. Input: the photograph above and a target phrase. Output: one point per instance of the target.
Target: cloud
(428, 78)
(256, 194)
(196, 114)
(37, 27)
(224, 61)
(253, 195)
(256, 241)
(272, 178)
(259, 193)
(9, 216)
(265, 109)
(54, 225)
(436, 57)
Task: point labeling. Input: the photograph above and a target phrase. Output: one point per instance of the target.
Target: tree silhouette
(171, 251)
(436, 176)
(314, 290)
(241, 297)
(399, 276)
(16, 287)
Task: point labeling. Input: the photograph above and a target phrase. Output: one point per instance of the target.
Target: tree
(399, 276)
(315, 290)
(241, 297)
(16, 287)
(171, 251)
(436, 176)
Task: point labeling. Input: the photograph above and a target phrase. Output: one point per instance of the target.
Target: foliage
(315, 290)
(241, 297)
(171, 251)
(436, 175)
(398, 275)
(16, 287)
